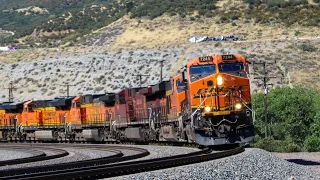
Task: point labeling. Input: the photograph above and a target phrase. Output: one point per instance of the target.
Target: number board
(205, 59)
(228, 57)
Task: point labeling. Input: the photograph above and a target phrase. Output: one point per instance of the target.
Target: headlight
(219, 81)
(238, 106)
(207, 108)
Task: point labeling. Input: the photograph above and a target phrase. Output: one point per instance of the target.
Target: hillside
(98, 70)
(107, 59)
(45, 23)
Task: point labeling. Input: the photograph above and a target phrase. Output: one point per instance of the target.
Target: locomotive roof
(162, 86)
(93, 95)
(216, 59)
(11, 105)
(60, 102)
(88, 98)
(146, 90)
(132, 90)
(110, 97)
(40, 103)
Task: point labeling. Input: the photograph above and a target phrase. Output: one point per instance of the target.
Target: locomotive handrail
(69, 127)
(245, 104)
(192, 120)
(250, 109)
(150, 112)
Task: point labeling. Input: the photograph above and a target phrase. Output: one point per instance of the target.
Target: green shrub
(223, 18)
(312, 143)
(291, 113)
(278, 131)
(269, 144)
(172, 13)
(307, 47)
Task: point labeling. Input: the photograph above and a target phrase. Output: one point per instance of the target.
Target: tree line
(293, 120)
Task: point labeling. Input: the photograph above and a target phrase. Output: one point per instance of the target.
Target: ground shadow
(304, 162)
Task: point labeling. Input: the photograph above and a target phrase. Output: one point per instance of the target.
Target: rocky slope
(105, 70)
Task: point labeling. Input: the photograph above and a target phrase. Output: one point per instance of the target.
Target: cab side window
(180, 86)
(122, 99)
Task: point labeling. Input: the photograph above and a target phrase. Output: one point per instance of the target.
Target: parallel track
(40, 157)
(89, 164)
(102, 169)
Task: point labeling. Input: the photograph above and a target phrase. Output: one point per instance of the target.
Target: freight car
(208, 103)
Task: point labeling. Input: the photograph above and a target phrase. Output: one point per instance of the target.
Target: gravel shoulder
(75, 154)
(162, 151)
(15, 154)
(83, 153)
(307, 159)
(254, 164)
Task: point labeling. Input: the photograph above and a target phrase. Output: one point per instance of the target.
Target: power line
(265, 86)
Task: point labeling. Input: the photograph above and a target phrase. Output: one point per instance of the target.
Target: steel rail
(103, 171)
(16, 173)
(40, 157)
(158, 143)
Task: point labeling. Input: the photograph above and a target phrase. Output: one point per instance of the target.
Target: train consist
(208, 103)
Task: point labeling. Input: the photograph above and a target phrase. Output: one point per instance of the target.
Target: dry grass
(306, 79)
(165, 31)
(229, 3)
(33, 9)
(313, 3)
(36, 35)
(27, 55)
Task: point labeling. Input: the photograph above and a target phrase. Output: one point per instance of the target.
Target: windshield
(232, 68)
(201, 71)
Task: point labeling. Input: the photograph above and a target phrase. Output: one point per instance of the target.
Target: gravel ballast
(251, 164)
(75, 154)
(308, 159)
(163, 151)
(83, 153)
(16, 154)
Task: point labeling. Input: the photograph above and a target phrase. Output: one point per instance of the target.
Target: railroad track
(37, 154)
(30, 172)
(93, 169)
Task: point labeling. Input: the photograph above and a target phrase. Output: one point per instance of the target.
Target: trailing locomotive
(208, 103)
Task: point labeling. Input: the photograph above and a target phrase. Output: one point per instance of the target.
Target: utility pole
(140, 78)
(11, 88)
(68, 88)
(265, 86)
(161, 68)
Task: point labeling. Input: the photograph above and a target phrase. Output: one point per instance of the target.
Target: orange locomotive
(219, 99)
(208, 103)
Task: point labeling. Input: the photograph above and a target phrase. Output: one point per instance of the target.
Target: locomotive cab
(219, 95)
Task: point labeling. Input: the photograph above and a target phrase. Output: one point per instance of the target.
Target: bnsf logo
(213, 91)
(50, 113)
(203, 91)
